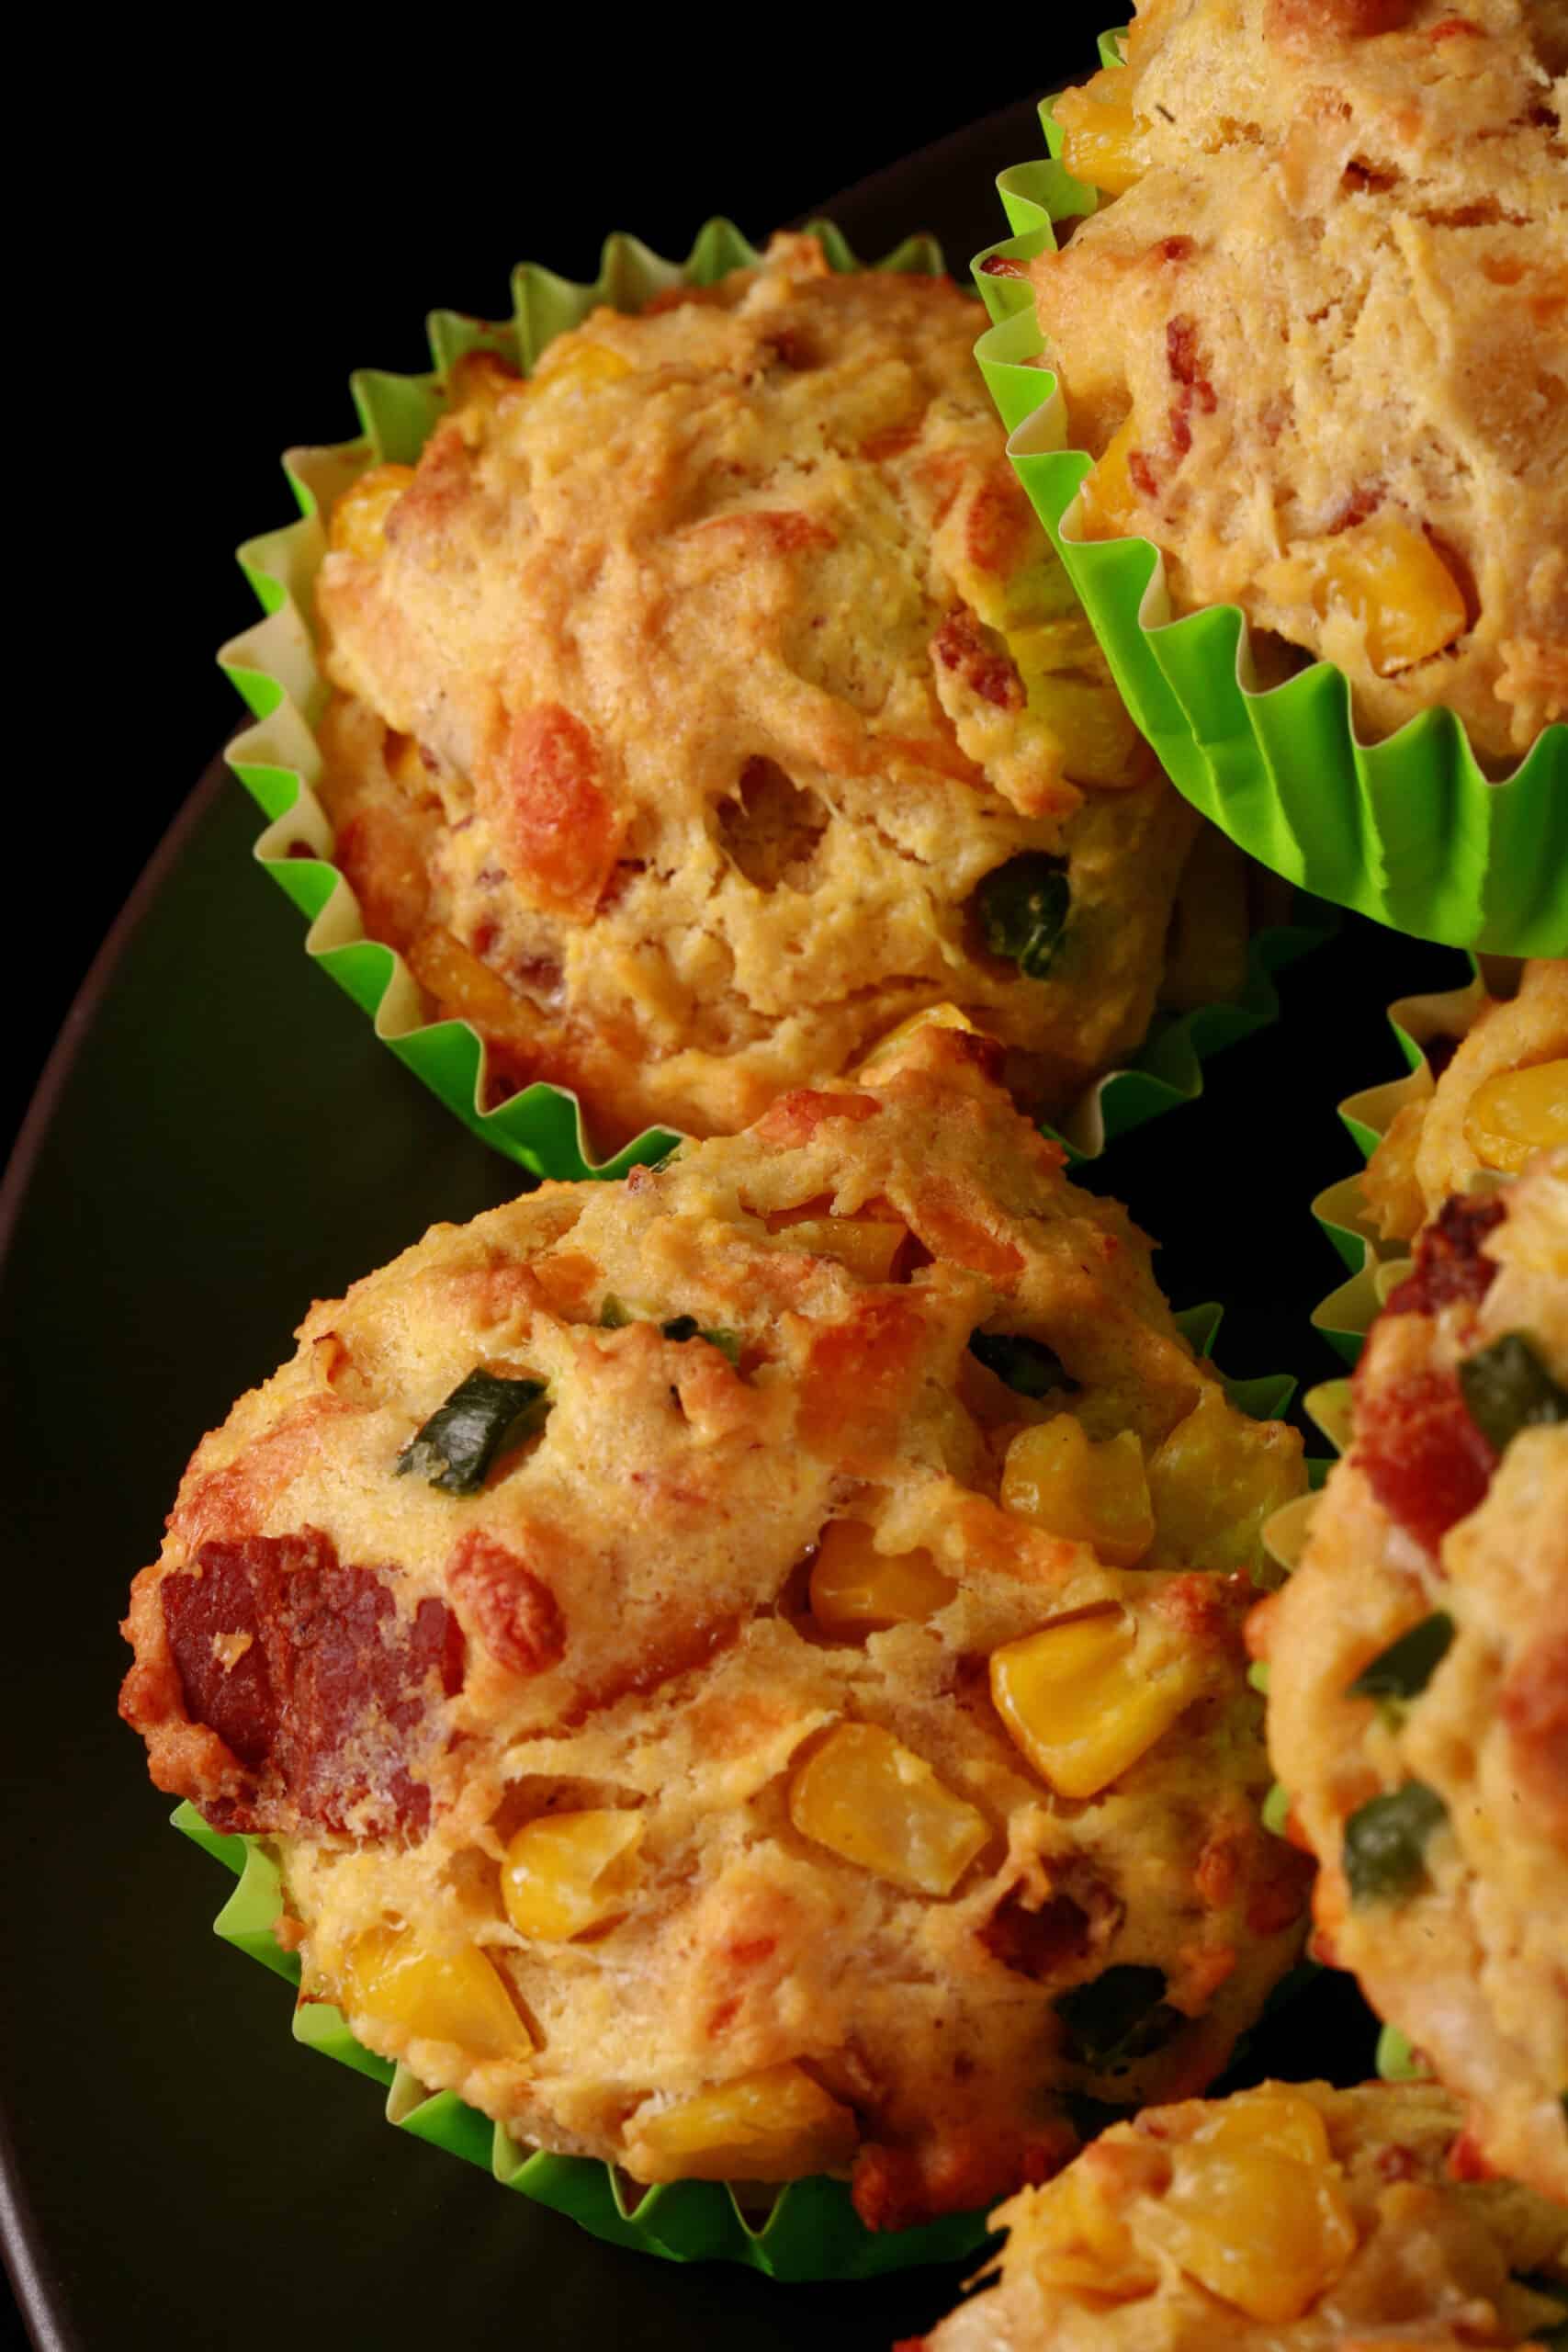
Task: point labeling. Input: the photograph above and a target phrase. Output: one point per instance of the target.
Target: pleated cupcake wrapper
(274, 666)
(1408, 831)
(812, 2231)
(1376, 1266)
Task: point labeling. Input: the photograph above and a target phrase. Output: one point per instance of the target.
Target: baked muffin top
(1319, 338)
(1294, 2218)
(1418, 1671)
(743, 1669)
(711, 701)
(1501, 1094)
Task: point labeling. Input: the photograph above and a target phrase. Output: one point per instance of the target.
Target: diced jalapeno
(1277, 1809)
(612, 1315)
(1385, 1842)
(686, 1327)
(1404, 1668)
(1117, 2019)
(1027, 1365)
(485, 1417)
(1023, 909)
(1507, 1389)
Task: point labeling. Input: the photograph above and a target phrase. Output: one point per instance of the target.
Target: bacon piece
(1449, 1264)
(516, 1614)
(1207, 1608)
(306, 1670)
(795, 1117)
(1144, 478)
(959, 645)
(1306, 25)
(1421, 1453)
(558, 833)
(996, 527)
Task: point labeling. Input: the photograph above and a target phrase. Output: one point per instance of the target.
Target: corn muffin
(1418, 1671)
(1316, 337)
(1500, 1093)
(743, 1669)
(711, 701)
(1293, 2218)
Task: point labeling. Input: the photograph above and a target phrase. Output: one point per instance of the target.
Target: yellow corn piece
(1085, 713)
(1216, 1478)
(465, 989)
(865, 1246)
(578, 367)
(1077, 2241)
(855, 1589)
(877, 1803)
(453, 1997)
(1518, 1112)
(1391, 578)
(1091, 1494)
(1108, 498)
(933, 1016)
(358, 521)
(1081, 1705)
(1103, 141)
(404, 765)
(566, 1872)
(1256, 2210)
(775, 2125)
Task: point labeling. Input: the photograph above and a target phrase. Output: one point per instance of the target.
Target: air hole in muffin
(770, 826)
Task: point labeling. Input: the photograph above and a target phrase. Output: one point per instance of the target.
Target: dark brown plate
(216, 1142)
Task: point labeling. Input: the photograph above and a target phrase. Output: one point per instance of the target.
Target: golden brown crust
(1467, 1951)
(1340, 2226)
(1332, 299)
(689, 691)
(639, 1630)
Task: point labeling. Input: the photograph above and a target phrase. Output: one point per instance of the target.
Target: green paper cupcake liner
(1409, 830)
(274, 667)
(812, 2231)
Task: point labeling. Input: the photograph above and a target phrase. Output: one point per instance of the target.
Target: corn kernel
(1108, 500)
(566, 1872)
(1216, 1480)
(404, 765)
(1518, 1112)
(358, 521)
(1256, 2210)
(464, 989)
(855, 1589)
(1066, 684)
(933, 1016)
(570, 368)
(1077, 2241)
(1091, 1494)
(773, 2125)
(877, 1803)
(1103, 141)
(1080, 1703)
(453, 1997)
(865, 1245)
(1392, 579)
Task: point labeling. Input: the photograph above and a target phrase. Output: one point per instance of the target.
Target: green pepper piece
(686, 1327)
(1022, 907)
(612, 1315)
(1385, 1842)
(1027, 1365)
(1404, 1668)
(485, 1416)
(1118, 2018)
(1507, 1389)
